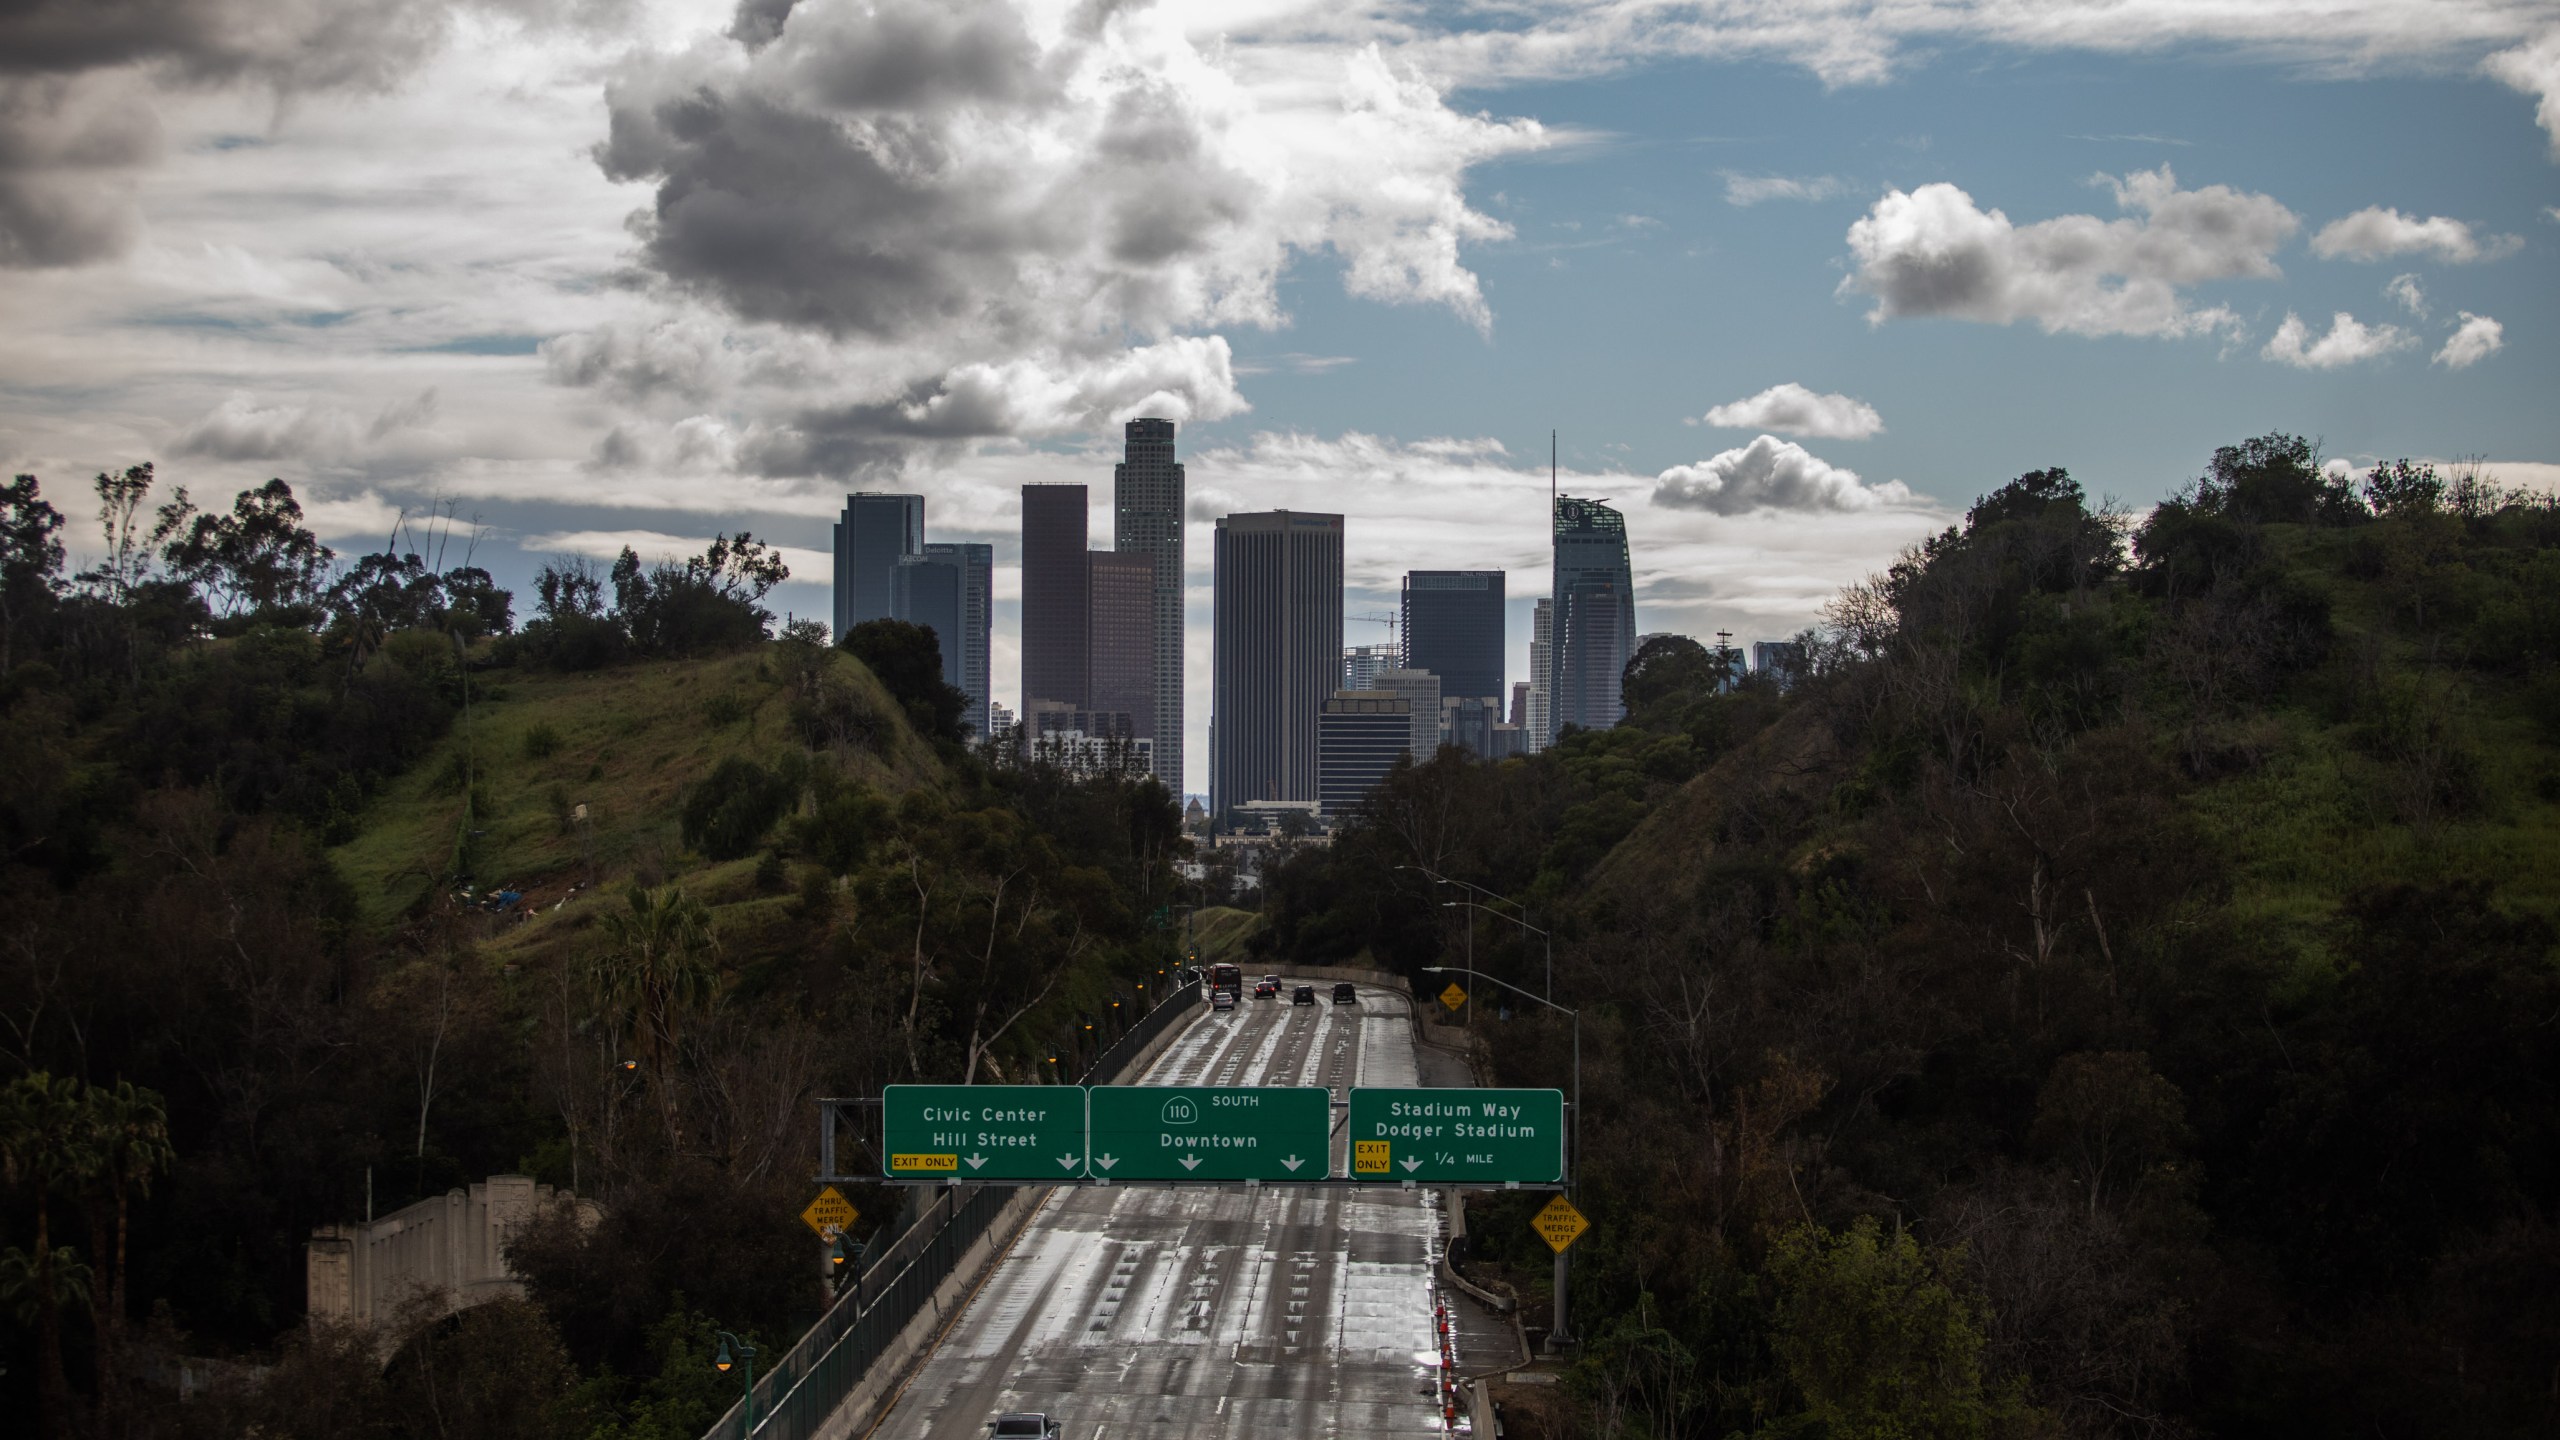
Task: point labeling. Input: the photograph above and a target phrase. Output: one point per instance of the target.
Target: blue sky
(639, 271)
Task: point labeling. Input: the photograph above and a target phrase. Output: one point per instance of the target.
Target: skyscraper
(1453, 628)
(1121, 676)
(1595, 616)
(872, 535)
(1361, 664)
(1542, 645)
(1277, 652)
(1056, 590)
(925, 590)
(976, 566)
(1146, 507)
(1360, 736)
(1422, 688)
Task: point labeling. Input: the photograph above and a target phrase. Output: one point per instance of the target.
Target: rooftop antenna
(1551, 475)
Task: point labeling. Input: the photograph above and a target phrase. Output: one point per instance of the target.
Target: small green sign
(1458, 1137)
(1210, 1132)
(983, 1132)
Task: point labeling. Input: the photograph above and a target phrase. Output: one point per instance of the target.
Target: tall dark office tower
(874, 533)
(1123, 636)
(1146, 505)
(976, 565)
(1595, 617)
(925, 590)
(1277, 653)
(1453, 628)
(1359, 738)
(1056, 591)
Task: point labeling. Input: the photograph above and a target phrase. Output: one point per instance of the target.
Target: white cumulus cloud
(1791, 409)
(1752, 189)
(2378, 233)
(1775, 474)
(2404, 291)
(2475, 340)
(2348, 342)
(2534, 68)
(1933, 251)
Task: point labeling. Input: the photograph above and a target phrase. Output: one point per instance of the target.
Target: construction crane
(1388, 618)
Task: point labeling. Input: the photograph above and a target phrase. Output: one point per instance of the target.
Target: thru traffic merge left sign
(1559, 1224)
(1211, 1132)
(983, 1132)
(830, 1214)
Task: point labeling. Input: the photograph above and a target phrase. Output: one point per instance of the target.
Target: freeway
(1201, 1314)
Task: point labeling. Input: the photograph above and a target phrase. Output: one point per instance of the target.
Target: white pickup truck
(1026, 1426)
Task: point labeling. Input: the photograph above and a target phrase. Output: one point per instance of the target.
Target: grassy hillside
(625, 743)
(1221, 933)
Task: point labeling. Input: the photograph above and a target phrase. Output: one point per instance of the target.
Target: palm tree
(657, 967)
(44, 1142)
(128, 1139)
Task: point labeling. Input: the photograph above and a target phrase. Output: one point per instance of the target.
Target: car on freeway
(1029, 1425)
(1222, 999)
(1305, 995)
(1266, 987)
(1346, 993)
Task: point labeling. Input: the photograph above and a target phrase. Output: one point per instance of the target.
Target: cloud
(2534, 68)
(654, 545)
(241, 429)
(2404, 291)
(957, 173)
(2476, 339)
(1183, 379)
(1752, 189)
(2348, 342)
(1933, 251)
(1791, 409)
(80, 81)
(2377, 233)
(1775, 474)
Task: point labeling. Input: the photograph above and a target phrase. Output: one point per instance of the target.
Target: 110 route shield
(1210, 1132)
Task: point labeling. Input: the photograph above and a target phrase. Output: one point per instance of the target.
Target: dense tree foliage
(2110, 993)
(218, 1029)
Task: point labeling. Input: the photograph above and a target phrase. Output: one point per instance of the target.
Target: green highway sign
(1460, 1137)
(1210, 1132)
(983, 1132)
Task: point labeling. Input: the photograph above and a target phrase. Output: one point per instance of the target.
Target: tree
(908, 660)
(128, 1143)
(30, 561)
(258, 557)
(656, 968)
(1879, 1343)
(45, 1145)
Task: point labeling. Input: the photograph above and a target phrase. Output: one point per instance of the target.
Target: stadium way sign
(983, 1132)
(1458, 1137)
(1209, 1132)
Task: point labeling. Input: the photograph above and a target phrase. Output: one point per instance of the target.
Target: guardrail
(811, 1379)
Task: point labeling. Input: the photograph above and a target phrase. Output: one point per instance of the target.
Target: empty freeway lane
(1194, 1312)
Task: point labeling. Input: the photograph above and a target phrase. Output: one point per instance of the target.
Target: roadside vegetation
(360, 880)
(2111, 992)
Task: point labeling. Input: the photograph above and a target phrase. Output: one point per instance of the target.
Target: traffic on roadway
(1121, 1313)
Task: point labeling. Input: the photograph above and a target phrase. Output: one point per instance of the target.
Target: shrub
(542, 741)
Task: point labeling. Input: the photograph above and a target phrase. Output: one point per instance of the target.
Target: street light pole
(746, 1354)
(1562, 1333)
(1514, 919)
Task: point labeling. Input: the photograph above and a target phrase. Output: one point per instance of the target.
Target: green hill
(625, 744)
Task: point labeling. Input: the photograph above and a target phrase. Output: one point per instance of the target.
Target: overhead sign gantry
(1255, 1134)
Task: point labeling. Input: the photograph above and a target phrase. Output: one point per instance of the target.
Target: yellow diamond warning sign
(830, 1214)
(1559, 1224)
(1369, 1157)
(1453, 997)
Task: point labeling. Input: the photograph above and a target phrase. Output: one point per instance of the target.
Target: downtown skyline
(1794, 292)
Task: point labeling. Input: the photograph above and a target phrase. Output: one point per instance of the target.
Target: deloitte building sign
(1264, 1134)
